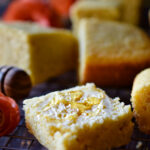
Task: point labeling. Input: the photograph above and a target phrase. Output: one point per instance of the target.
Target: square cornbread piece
(80, 118)
(131, 12)
(140, 99)
(101, 9)
(119, 10)
(111, 53)
(42, 52)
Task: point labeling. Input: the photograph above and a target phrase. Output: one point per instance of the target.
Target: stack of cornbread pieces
(109, 49)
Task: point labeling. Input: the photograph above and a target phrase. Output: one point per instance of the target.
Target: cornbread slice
(42, 52)
(140, 99)
(80, 118)
(132, 11)
(111, 53)
(94, 9)
(106, 10)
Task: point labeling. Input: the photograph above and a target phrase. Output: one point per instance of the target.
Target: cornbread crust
(111, 53)
(94, 121)
(42, 52)
(121, 75)
(140, 98)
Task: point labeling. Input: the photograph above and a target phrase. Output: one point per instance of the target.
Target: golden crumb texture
(111, 53)
(82, 118)
(140, 99)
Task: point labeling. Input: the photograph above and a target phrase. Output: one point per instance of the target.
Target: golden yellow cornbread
(140, 99)
(121, 10)
(80, 118)
(42, 52)
(111, 53)
(94, 9)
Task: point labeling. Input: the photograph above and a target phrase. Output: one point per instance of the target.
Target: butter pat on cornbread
(111, 53)
(80, 118)
(42, 52)
(140, 99)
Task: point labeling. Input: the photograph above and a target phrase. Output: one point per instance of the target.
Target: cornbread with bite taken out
(42, 52)
(140, 99)
(111, 53)
(119, 10)
(80, 118)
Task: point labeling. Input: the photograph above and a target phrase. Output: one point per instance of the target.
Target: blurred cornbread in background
(111, 53)
(140, 99)
(121, 10)
(57, 49)
(42, 52)
(94, 9)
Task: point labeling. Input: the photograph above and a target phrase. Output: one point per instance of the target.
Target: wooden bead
(3, 72)
(14, 82)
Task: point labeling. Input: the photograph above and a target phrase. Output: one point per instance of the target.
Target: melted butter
(76, 100)
(72, 118)
(86, 105)
(75, 95)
